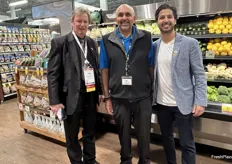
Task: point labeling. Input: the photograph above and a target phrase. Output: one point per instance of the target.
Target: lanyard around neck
(79, 44)
(127, 54)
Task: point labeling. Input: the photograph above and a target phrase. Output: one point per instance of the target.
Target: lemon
(223, 42)
(230, 53)
(221, 26)
(225, 23)
(217, 53)
(221, 49)
(225, 31)
(214, 48)
(226, 48)
(209, 47)
(223, 54)
(219, 22)
(211, 31)
(218, 31)
(229, 44)
(215, 27)
(210, 25)
(230, 31)
(217, 45)
(228, 26)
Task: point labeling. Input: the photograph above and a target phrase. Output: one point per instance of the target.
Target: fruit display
(221, 94)
(152, 27)
(221, 47)
(192, 29)
(220, 25)
(219, 71)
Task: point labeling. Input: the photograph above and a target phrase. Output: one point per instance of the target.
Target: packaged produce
(6, 89)
(29, 99)
(37, 100)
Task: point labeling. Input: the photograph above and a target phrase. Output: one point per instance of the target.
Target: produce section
(16, 44)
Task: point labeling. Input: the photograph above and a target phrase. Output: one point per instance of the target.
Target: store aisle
(19, 148)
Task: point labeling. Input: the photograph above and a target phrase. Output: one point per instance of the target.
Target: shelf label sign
(209, 77)
(227, 108)
(210, 54)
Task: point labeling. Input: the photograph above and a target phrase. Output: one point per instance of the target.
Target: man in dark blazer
(74, 85)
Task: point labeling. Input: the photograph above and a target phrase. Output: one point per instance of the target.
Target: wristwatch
(106, 98)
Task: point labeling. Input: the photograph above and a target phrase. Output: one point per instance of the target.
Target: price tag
(20, 105)
(27, 109)
(210, 54)
(52, 115)
(26, 70)
(210, 77)
(41, 71)
(227, 108)
(38, 71)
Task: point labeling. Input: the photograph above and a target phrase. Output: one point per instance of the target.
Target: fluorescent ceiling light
(15, 10)
(18, 3)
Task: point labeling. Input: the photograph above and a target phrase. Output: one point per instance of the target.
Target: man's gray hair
(80, 11)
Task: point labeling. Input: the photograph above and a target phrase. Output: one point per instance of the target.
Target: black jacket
(64, 71)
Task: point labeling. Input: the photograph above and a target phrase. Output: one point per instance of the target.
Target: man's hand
(100, 99)
(108, 106)
(55, 108)
(198, 110)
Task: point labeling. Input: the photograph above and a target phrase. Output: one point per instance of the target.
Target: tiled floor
(19, 148)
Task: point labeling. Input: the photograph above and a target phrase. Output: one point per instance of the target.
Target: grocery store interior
(30, 134)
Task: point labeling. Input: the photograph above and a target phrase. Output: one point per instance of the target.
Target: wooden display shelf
(44, 132)
(28, 89)
(22, 69)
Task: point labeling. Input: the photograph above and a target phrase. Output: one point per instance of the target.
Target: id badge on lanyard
(89, 77)
(87, 68)
(127, 80)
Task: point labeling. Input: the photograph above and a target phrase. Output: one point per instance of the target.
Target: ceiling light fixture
(18, 3)
(15, 10)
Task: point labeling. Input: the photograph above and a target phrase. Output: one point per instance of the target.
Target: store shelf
(28, 89)
(38, 110)
(9, 82)
(219, 80)
(11, 94)
(30, 69)
(207, 36)
(44, 132)
(13, 52)
(6, 63)
(19, 43)
(218, 58)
